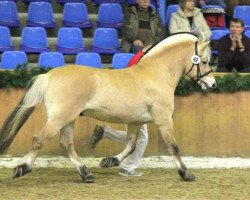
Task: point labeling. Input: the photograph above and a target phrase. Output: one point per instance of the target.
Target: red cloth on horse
(135, 59)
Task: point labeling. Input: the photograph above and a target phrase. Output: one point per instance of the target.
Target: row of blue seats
(74, 15)
(83, 1)
(12, 59)
(69, 40)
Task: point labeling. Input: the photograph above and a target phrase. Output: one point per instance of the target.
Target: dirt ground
(56, 184)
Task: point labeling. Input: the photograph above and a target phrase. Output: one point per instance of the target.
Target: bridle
(196, 62)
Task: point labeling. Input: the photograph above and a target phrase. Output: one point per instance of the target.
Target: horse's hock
(211, 125)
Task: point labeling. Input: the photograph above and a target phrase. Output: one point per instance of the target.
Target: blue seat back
(120, 60)
(106, 1)
(75, 12)
(89, 59)
(106, 38)
(172, 8)
(247, 33)
(9, 14)
(217, 34)
(40, 14)
(30, 1)
(110, 13)
(71, 1)
(243, 12)
(51, 59)
(11, 59)
(70, 38)
(35, 39)
(5, 39)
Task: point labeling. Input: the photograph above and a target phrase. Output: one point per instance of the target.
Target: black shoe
(97, 136)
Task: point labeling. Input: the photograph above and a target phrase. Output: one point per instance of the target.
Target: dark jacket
(131, 27)
(233, 59)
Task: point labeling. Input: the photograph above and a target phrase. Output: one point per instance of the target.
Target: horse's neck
(165, 68)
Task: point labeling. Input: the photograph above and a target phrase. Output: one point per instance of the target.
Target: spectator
(142, 26)
(200, 3)
(234, 49)
(132, 161)
(188, 19)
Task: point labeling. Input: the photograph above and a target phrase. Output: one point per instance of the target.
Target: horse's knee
(37, 143)
(66, 145)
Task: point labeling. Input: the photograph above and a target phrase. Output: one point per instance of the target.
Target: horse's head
(199, 69)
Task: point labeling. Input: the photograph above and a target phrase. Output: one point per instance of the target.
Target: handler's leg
(132, 161)
(66, 142)
(109, 133)
(132, 134)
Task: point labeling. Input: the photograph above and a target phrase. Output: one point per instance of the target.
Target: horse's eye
(204, 63)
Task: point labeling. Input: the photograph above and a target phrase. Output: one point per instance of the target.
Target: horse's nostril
(214, 85)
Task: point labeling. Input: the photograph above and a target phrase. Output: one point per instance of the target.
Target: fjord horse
(134, 96)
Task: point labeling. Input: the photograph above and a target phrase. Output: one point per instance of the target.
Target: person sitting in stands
(234, 49)
(189, 19)
(142, 26)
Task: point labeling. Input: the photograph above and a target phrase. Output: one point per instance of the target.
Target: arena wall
(205, 125)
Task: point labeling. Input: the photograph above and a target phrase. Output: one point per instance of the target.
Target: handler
(132, 161)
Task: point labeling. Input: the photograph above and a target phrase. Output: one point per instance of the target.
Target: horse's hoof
(186, 176)
(89, 178)
(109, 162)
(21, 170)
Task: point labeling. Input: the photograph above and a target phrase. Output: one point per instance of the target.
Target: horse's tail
(34, 95)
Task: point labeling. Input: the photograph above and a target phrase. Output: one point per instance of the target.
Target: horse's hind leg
(166, 130)
(26, 163)
(66, 141)
(132, 134)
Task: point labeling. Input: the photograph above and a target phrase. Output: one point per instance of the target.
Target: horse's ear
(202, 47)
(201, 36)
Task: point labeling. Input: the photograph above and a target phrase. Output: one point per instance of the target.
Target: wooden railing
(211, 125)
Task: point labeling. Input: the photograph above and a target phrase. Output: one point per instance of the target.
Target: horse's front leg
(132, 134)
(166, 130)
(66, 141)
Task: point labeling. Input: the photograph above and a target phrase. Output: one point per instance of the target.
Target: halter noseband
(196, 61)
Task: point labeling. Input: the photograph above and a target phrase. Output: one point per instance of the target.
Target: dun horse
(133, 96)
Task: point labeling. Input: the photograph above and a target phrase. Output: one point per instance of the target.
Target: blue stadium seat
(70, 41)
(243, 12)
(120, 60)
(10, 0)
(76, 15)
(34, 40)
(216, 35)
(247, 33)
(51, 60)
(9, 14)
(89, 59)
(70, 1)
(106, 1)
(29, 1)
(110, 15)
(105, 41)
(11, 59)
(5, 39)
(40, 14)
(172, 8)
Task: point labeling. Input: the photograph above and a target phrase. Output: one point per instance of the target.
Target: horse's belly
(113, 116)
